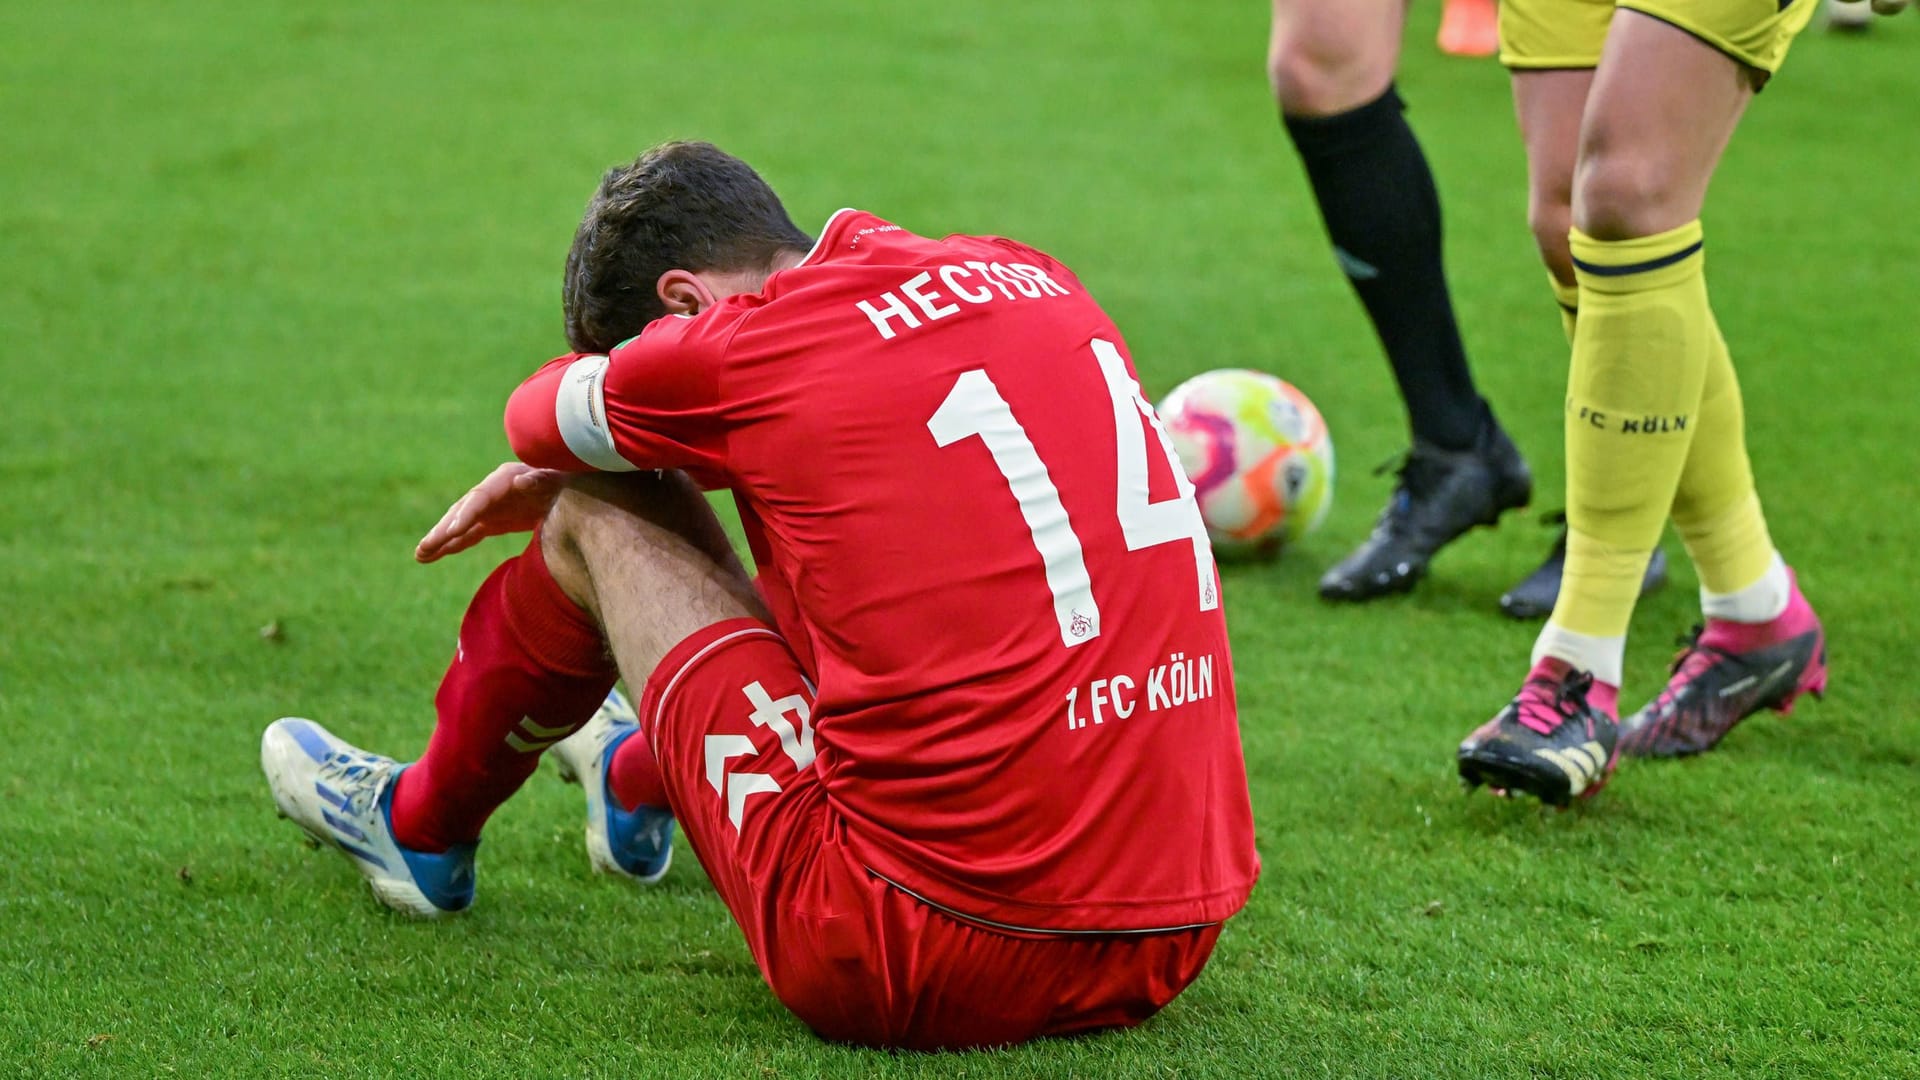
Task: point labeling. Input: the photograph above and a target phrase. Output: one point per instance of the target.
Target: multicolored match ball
(1259, 456)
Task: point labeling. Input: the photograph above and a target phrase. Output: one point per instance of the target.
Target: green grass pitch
(268, 271)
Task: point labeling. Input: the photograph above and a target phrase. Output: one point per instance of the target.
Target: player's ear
(683, 292)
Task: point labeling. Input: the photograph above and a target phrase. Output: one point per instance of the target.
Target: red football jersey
(976, 537)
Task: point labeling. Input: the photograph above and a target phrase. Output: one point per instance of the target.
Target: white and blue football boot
(343, 796)
(635, 843)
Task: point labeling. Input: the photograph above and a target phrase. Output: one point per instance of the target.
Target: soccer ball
(1258, 454)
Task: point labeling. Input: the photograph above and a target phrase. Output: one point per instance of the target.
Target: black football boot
(1534, 596)
(1440, 495)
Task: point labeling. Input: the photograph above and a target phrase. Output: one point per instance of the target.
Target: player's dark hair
(680, 205)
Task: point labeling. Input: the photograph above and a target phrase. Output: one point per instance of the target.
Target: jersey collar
(828, 233)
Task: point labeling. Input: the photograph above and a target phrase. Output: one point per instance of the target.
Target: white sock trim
(1603, 656)
(1763, 601)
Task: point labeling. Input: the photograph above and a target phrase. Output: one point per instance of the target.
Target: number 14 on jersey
(974, 407)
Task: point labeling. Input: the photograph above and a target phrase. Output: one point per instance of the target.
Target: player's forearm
(557, 418)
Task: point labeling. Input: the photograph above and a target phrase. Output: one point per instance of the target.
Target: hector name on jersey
(974, 535)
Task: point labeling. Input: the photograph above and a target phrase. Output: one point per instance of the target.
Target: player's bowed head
(681, 227)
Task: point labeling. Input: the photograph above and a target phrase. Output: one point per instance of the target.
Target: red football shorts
(729, 714)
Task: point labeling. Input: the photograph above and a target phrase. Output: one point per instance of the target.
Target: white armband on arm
(580, 413)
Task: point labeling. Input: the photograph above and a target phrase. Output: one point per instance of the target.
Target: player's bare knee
(598, 512)
(596, 507)
(1620, 196)
(1311, 76)
(642, 524)
(667, 501)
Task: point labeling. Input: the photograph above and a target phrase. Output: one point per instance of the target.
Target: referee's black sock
(1377, 198)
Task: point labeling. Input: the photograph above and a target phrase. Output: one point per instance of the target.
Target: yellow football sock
(1715, 507)
(1568, 296)
(1639, 363)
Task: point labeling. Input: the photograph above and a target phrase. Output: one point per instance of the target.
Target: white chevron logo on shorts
(742, 784)
(1581, 763)
(734, 786)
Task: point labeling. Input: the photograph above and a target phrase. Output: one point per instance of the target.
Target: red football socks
(634, 779)
(529, 670)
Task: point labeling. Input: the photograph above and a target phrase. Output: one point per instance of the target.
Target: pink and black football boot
(1726, 672)
(1554, 740)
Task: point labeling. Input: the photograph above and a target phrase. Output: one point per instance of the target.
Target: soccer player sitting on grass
(1625, 109)
(963, 760)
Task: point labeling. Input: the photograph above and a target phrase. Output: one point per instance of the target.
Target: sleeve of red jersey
(652, 404)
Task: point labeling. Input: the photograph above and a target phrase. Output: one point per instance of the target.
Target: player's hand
(513, 498)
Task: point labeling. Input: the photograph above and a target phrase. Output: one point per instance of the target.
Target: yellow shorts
(1537, 34)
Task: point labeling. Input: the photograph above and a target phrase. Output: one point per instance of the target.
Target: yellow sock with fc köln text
(1640, 356)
